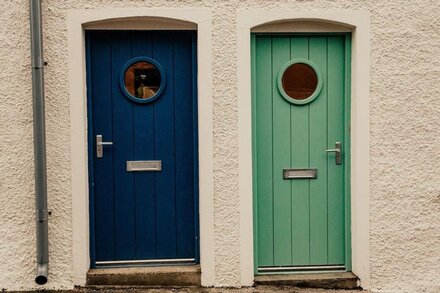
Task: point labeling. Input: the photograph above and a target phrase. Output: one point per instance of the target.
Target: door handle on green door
(99, 144)
(338, 153)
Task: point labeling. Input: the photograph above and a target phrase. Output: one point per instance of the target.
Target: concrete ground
(257, 289)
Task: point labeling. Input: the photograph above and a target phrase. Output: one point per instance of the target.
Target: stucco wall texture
(405, 139)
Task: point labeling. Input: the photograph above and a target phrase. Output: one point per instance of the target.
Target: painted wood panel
(281, 156)
(336, 75)
(300, 159)
(124, 222)
(318, 157)
(184, 170)
(100, 68)
(144, 182)
(164, 131)
(299, 222)
(263, 121)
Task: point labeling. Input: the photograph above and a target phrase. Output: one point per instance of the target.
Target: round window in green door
(299, 81)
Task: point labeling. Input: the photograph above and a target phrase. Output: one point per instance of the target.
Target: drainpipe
(39, 142)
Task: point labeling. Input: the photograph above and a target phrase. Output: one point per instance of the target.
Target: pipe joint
(38, 63)
(41, 215)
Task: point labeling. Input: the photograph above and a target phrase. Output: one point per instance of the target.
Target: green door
(300, 101)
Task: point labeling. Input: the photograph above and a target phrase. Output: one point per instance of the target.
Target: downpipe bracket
(42, 216)
(39, 63)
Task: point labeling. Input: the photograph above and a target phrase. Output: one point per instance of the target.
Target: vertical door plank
(318, 146)
(347, 147)
(335, 133)
(263, 122)
(164, 133)
(123, 147)
(184, 148)
(143, 146)
(100, 94)
(300, 159)
(255, 163)
(281, 158)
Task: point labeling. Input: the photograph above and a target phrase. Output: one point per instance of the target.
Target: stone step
(169, 276)
(340, 280)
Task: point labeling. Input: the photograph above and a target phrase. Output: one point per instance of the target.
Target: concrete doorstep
(170, 277)
(340, 280)
(186, 279)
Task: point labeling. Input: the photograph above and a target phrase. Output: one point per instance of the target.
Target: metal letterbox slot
(144, 166)
(300, 173)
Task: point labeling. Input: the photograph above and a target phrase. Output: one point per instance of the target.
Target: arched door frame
(279, 21)
(137, 19)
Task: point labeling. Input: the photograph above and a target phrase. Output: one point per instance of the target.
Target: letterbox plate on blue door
(144, 166)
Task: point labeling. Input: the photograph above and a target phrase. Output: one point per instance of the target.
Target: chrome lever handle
(99, 144)
(333, 150)
(338, 151)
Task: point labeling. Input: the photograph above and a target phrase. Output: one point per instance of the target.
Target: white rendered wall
(404, 139)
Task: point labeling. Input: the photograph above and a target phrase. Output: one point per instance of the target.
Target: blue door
(143, 168)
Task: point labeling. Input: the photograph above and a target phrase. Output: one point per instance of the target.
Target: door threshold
(301, 269)
(325, 280)
(172, 276)
(145, 262)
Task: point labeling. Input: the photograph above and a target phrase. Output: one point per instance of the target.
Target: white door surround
(279, 21)
(140, 19)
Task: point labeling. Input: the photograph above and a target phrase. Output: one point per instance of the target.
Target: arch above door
(141, 23)
(305, 25)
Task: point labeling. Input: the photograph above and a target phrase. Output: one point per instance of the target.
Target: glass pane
(299, 81)
(142, 80)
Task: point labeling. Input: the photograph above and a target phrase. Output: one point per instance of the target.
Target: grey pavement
(257, 289)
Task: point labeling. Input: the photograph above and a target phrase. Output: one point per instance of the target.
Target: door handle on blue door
(338, 153)
(99, 146)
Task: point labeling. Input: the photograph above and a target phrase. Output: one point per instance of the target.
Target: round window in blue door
(299, 81)
(142, 79)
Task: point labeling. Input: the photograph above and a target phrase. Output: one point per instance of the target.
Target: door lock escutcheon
(338, 152)
(99, 146)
